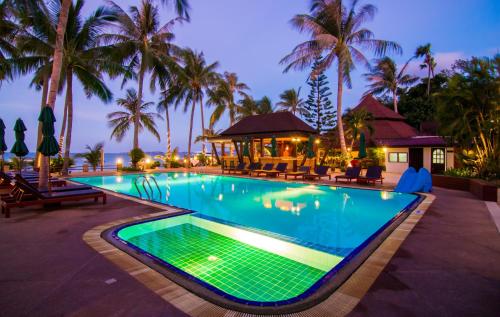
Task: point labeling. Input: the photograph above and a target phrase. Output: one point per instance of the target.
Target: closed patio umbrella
(246, 149)
(274, 147)
(362, 146)
(19, 148)
(49, 145)
(3, 146)
(309, 150)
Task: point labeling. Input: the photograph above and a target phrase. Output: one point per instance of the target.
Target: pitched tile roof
(277, 122)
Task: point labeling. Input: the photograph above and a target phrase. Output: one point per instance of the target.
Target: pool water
(255, 240)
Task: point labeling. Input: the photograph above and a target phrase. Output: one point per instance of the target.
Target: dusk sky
(250, 37)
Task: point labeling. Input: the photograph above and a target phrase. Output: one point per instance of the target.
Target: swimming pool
(256, 242)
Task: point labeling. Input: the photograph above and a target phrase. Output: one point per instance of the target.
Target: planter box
(450, 182)
(483, 190)
(479, 188)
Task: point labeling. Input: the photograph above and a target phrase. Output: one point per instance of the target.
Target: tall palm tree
(385, 78)
(429, 63)
(337, 32)
(250, 107)
(357, 121)
(122, 121)
(141, 42)
(191, 82)
(86, 60)
(54, 79)
(8, 30)
(291, 101)
(222, 96)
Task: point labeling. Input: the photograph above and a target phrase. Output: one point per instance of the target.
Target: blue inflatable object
(427, 180)
(405, 184)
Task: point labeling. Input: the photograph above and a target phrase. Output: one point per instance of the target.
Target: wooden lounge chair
(239, 168)
(303, 170)
(251, 167)
(350, 174)
(280, 169)
(373, 175)
(319, 172)
(267, 167)
(30, 196)
(7, 181)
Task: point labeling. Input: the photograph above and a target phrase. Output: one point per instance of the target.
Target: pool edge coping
(338, 303)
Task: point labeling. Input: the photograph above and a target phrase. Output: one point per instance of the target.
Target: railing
(148, 191)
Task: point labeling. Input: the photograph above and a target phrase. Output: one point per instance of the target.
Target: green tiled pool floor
(236, 268)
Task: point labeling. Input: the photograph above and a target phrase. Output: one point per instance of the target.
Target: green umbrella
(362, 146)
(246, 149)
(3, 146)
(49, 145)
(274, 147)
(309, 147)
(19, 148)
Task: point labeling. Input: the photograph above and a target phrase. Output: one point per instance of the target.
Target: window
(438, 156)
(398, 157)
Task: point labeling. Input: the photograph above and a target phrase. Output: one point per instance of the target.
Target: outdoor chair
(251, 167)
(350, 174)
(280, 168)
(319, 172)
(7, 181)
(373, 175)
(303, 170)
(267, 167)
(29, 195)
(240, 168)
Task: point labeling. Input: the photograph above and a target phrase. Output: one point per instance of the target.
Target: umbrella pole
(48, 178)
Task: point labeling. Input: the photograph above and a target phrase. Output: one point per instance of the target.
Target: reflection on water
(333, 218)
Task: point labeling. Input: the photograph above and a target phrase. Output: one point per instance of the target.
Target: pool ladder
(149, 189)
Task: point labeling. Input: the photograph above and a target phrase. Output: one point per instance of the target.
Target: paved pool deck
(447, 266)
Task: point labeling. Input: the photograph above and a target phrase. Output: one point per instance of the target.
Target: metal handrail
(145, 180)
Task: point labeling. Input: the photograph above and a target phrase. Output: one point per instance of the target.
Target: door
(416, 158)
(438, 157)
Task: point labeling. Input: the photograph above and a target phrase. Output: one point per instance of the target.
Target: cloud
(444, 60)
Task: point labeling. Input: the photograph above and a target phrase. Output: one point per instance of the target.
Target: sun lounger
(303, 170)
(251, 167)
(30, 196)
(280, 169)
(239, 168)
(350, 174)
(319, 172)
(373, 175)
(267, 167)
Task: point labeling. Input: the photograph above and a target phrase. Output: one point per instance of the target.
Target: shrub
(461, 172)
(93, 155)
(136, 155)
(130, 169)
(56, 164)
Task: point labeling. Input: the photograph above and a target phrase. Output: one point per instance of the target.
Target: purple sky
(249, 37)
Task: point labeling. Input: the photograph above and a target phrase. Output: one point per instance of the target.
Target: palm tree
(142, 43)
(93, 154)
(429, 63)
(122, 121)
(291, 101)
(209, 133)
(250, 107)
(338, 33)
(222, 96)
(85, 59)
(8, 30)
(357, 121)
(192, 80)
(385, 78)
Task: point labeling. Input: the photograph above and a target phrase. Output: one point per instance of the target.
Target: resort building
(404, 146)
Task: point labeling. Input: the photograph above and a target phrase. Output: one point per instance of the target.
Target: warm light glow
(316, 204)
(349, 149)
(119, 161)
(232, 187)
(176, 158)
(268, 204)
(185, 160)
(286, 148)
(212, 258)
(317, 141)
(384, 195)
(385, 149)
(148, 161)
(119, 179)
(220, 197)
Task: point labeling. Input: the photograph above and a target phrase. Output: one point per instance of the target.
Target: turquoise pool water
(330, 219)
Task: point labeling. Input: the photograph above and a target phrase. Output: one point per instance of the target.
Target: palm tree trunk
(429, 79)
(169, 148)
(204, 148)
(54, 80)
(63, 127)
(340, 125)
(395, 101)
(69, 106)
(45, 91)
(188, 163)
(137, 118)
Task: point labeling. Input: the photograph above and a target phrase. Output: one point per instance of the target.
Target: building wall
(398, 168)
(427, 158)
(450, 158)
